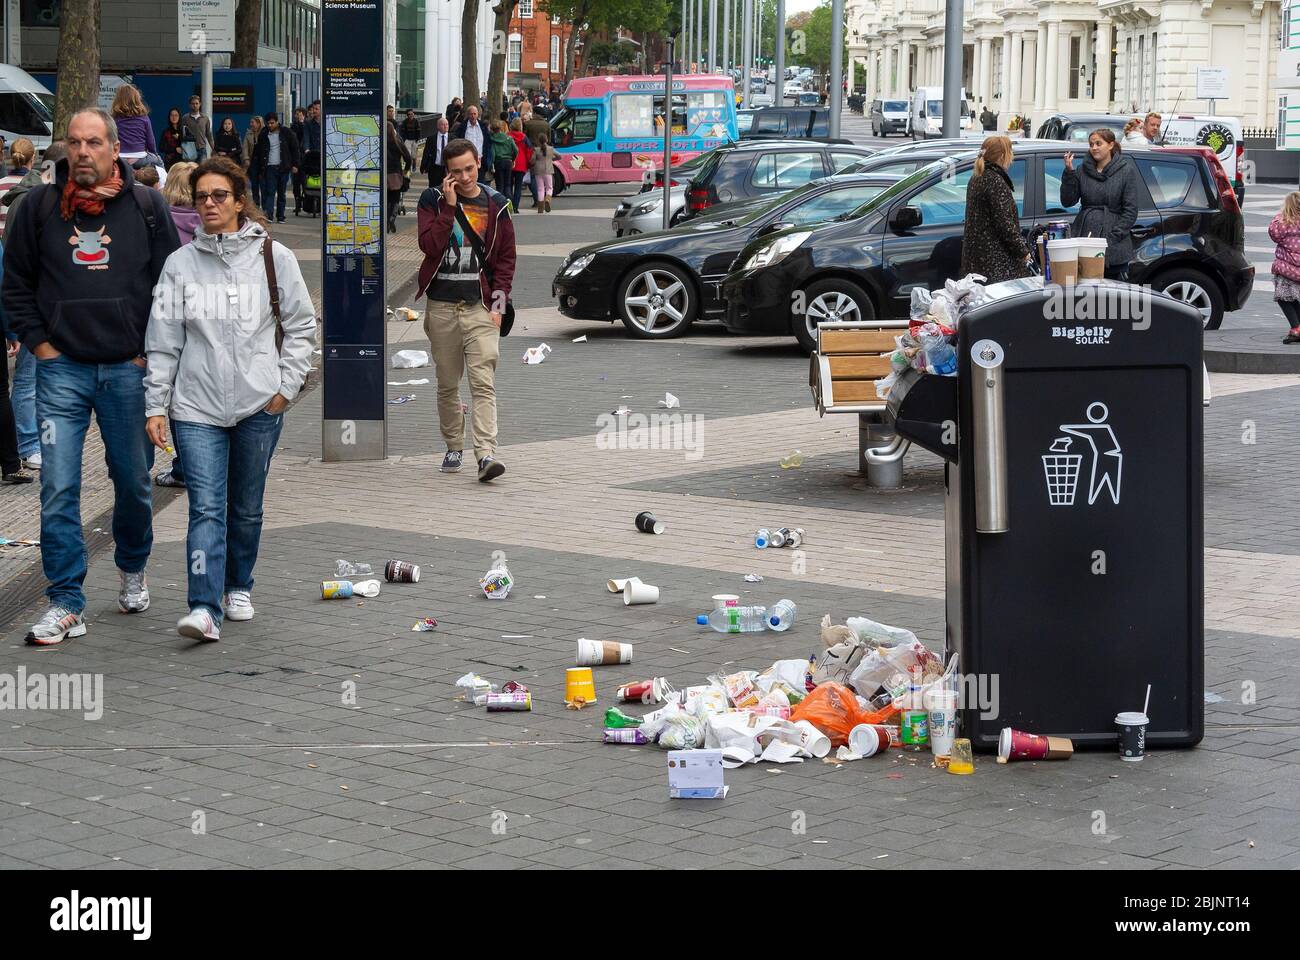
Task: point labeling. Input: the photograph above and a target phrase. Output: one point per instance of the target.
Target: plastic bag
(740, 687)
(875, 634)
(833, 709)
(920, 305)
(681, 731)
(409, 359)
(885, 384)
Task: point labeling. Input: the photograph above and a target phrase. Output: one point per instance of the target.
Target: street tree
(78, 76)
(505, 11)
(248, 27)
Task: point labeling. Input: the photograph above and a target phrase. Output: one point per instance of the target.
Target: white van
(26, 108)
(927, 113)
(1220, 134)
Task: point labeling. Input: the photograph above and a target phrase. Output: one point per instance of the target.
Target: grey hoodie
(211, 335)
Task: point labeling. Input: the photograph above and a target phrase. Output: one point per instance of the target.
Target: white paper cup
(813, 740)
(1132, 735)
(1092, 257)
(941, 705)
(594, 653)
(616, 586)
(721, 600)
(865, 740)
(634, 591)
(1063, 257)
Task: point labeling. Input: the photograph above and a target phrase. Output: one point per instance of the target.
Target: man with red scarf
(82, 256)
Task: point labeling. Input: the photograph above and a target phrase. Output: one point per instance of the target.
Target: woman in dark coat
(170, 144)
(399, 159)
(992, 244)
(1108, 189)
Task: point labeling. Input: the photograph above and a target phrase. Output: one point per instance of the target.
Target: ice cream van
(611, 129)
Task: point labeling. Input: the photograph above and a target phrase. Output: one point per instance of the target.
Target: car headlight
(650, 207)
(777, 250)
(579, 265)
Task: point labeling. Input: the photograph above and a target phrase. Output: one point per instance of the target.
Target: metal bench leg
(884, 469)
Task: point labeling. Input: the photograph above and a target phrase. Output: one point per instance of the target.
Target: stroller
(311, 182)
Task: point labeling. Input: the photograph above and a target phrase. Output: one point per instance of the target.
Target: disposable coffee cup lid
(1004, 743)
(1132, 718)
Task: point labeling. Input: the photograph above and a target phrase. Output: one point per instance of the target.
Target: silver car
(643, 212)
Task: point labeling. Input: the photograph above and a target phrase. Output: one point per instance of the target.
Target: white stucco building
(1038, 57)
(442, 57)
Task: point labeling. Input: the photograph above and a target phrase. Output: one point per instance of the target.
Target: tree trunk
(78, 77)
(469, 55)
(248, 26)
(570, 52)
(497, 72)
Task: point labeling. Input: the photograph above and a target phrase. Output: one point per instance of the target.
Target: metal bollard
(873, 432)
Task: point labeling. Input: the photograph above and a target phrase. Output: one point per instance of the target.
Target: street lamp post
(668, 129)
(747, 51)
(836, 92)
(952, 57)
(713, 35)
(780, 52)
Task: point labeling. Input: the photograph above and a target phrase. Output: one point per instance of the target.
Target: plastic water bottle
(347, 568)
(763, 538)
(941, 357)
(781, 616)
(735, 619)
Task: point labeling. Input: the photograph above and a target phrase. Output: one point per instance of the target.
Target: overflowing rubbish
(496, 583)
(928, 344)
(646, 523)
(792, 461)
(513, 696)
(781, 617)
(425, 625)
(941, 720)
(735, 619)
(343, 589)
(834, 710)
(403, 398)
(598, 652)
(535, 355)
(866, 739)
(475, 686)
(1018, 745)
(579, 688)
(656, 690)
(780, 537)
(962, 760)
(669, 402)
(695, 774)
(625, 735)
(615, 718)
(350, 568)
(401, 571)
(410, 359)
(634, 591)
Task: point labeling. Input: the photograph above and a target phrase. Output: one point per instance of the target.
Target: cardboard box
(695, 774)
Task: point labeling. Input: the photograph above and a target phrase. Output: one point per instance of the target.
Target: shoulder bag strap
(268, 259)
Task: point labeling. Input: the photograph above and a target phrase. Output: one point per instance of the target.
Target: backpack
(50, 199)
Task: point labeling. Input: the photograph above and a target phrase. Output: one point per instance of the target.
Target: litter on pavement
(535, 355)
(410, 359)
(670, 402)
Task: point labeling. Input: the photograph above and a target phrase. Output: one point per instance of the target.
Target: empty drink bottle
(763, 538)
(735, 619)
(781, 616)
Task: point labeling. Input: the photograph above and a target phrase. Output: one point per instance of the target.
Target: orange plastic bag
(832, 709)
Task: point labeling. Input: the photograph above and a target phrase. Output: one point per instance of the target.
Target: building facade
(537, 49)
(1038, 57)
(1287, 79)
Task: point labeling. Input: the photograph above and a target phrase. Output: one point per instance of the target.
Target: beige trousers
(464, 338)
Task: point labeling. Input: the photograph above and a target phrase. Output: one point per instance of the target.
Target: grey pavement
(327, 734)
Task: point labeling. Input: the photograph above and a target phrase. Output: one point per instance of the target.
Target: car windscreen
(895, 106)
(934, 108)
(1079, 132)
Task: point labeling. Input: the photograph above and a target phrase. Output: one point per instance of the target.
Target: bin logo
(1062, 467)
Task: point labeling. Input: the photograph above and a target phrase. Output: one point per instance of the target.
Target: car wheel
(657, 300)
(1196, 290)
(829, 300)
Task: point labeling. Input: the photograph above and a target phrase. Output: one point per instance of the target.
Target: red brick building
(537, 48)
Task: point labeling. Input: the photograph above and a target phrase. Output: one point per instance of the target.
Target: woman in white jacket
(216, 366)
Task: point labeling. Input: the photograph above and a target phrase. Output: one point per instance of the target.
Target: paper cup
(1018, 745)
(593, 653)
(1063, 255)
(616, 586)
(579, 685)
(813, 740)
(1132, 735)
(942, 707)
(1092, 257)
(867, 740)
(634, 591)
(721, 600)
(646, 523)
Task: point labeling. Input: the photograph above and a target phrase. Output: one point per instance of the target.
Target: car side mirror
(905, 218)
(775, 227)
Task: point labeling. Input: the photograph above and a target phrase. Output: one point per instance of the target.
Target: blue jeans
(24, 402)
(66, 393)
(274, 184)
(225, 473)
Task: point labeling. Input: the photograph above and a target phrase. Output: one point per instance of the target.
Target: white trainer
(198, 625)
(237, 605)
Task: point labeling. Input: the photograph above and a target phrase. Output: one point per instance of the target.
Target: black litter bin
(1073, 512)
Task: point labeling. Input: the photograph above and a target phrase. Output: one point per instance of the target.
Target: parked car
(784, 123)
(754, 168)
(888, 116)
(659, 283)
(642, 212)
(926, 116)
(809, 98)
(1189, 242)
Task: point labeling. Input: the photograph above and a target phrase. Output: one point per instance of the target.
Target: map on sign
(353, 185)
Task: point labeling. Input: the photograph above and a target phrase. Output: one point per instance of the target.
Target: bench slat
(857, 341)
(854, 391)
(858, 368)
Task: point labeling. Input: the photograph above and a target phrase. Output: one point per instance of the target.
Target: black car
(1075, 127)
(659, 283)
(1189, 242)
(768, 123)
(910, 157)
(753, 168)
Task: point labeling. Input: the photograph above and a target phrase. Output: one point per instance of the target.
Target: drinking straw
(1148, 701)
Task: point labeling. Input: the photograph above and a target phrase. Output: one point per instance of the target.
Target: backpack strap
(143, 202)
(268, 259)
(49, 199)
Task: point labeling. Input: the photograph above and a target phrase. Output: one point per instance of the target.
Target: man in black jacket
(275, 158)
(82, 256)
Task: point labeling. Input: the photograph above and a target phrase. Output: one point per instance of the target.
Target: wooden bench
(842, 372)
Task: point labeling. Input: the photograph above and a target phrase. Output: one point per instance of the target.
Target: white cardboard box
(695, 774)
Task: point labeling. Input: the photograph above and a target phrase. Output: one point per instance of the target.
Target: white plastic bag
(410, 359)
